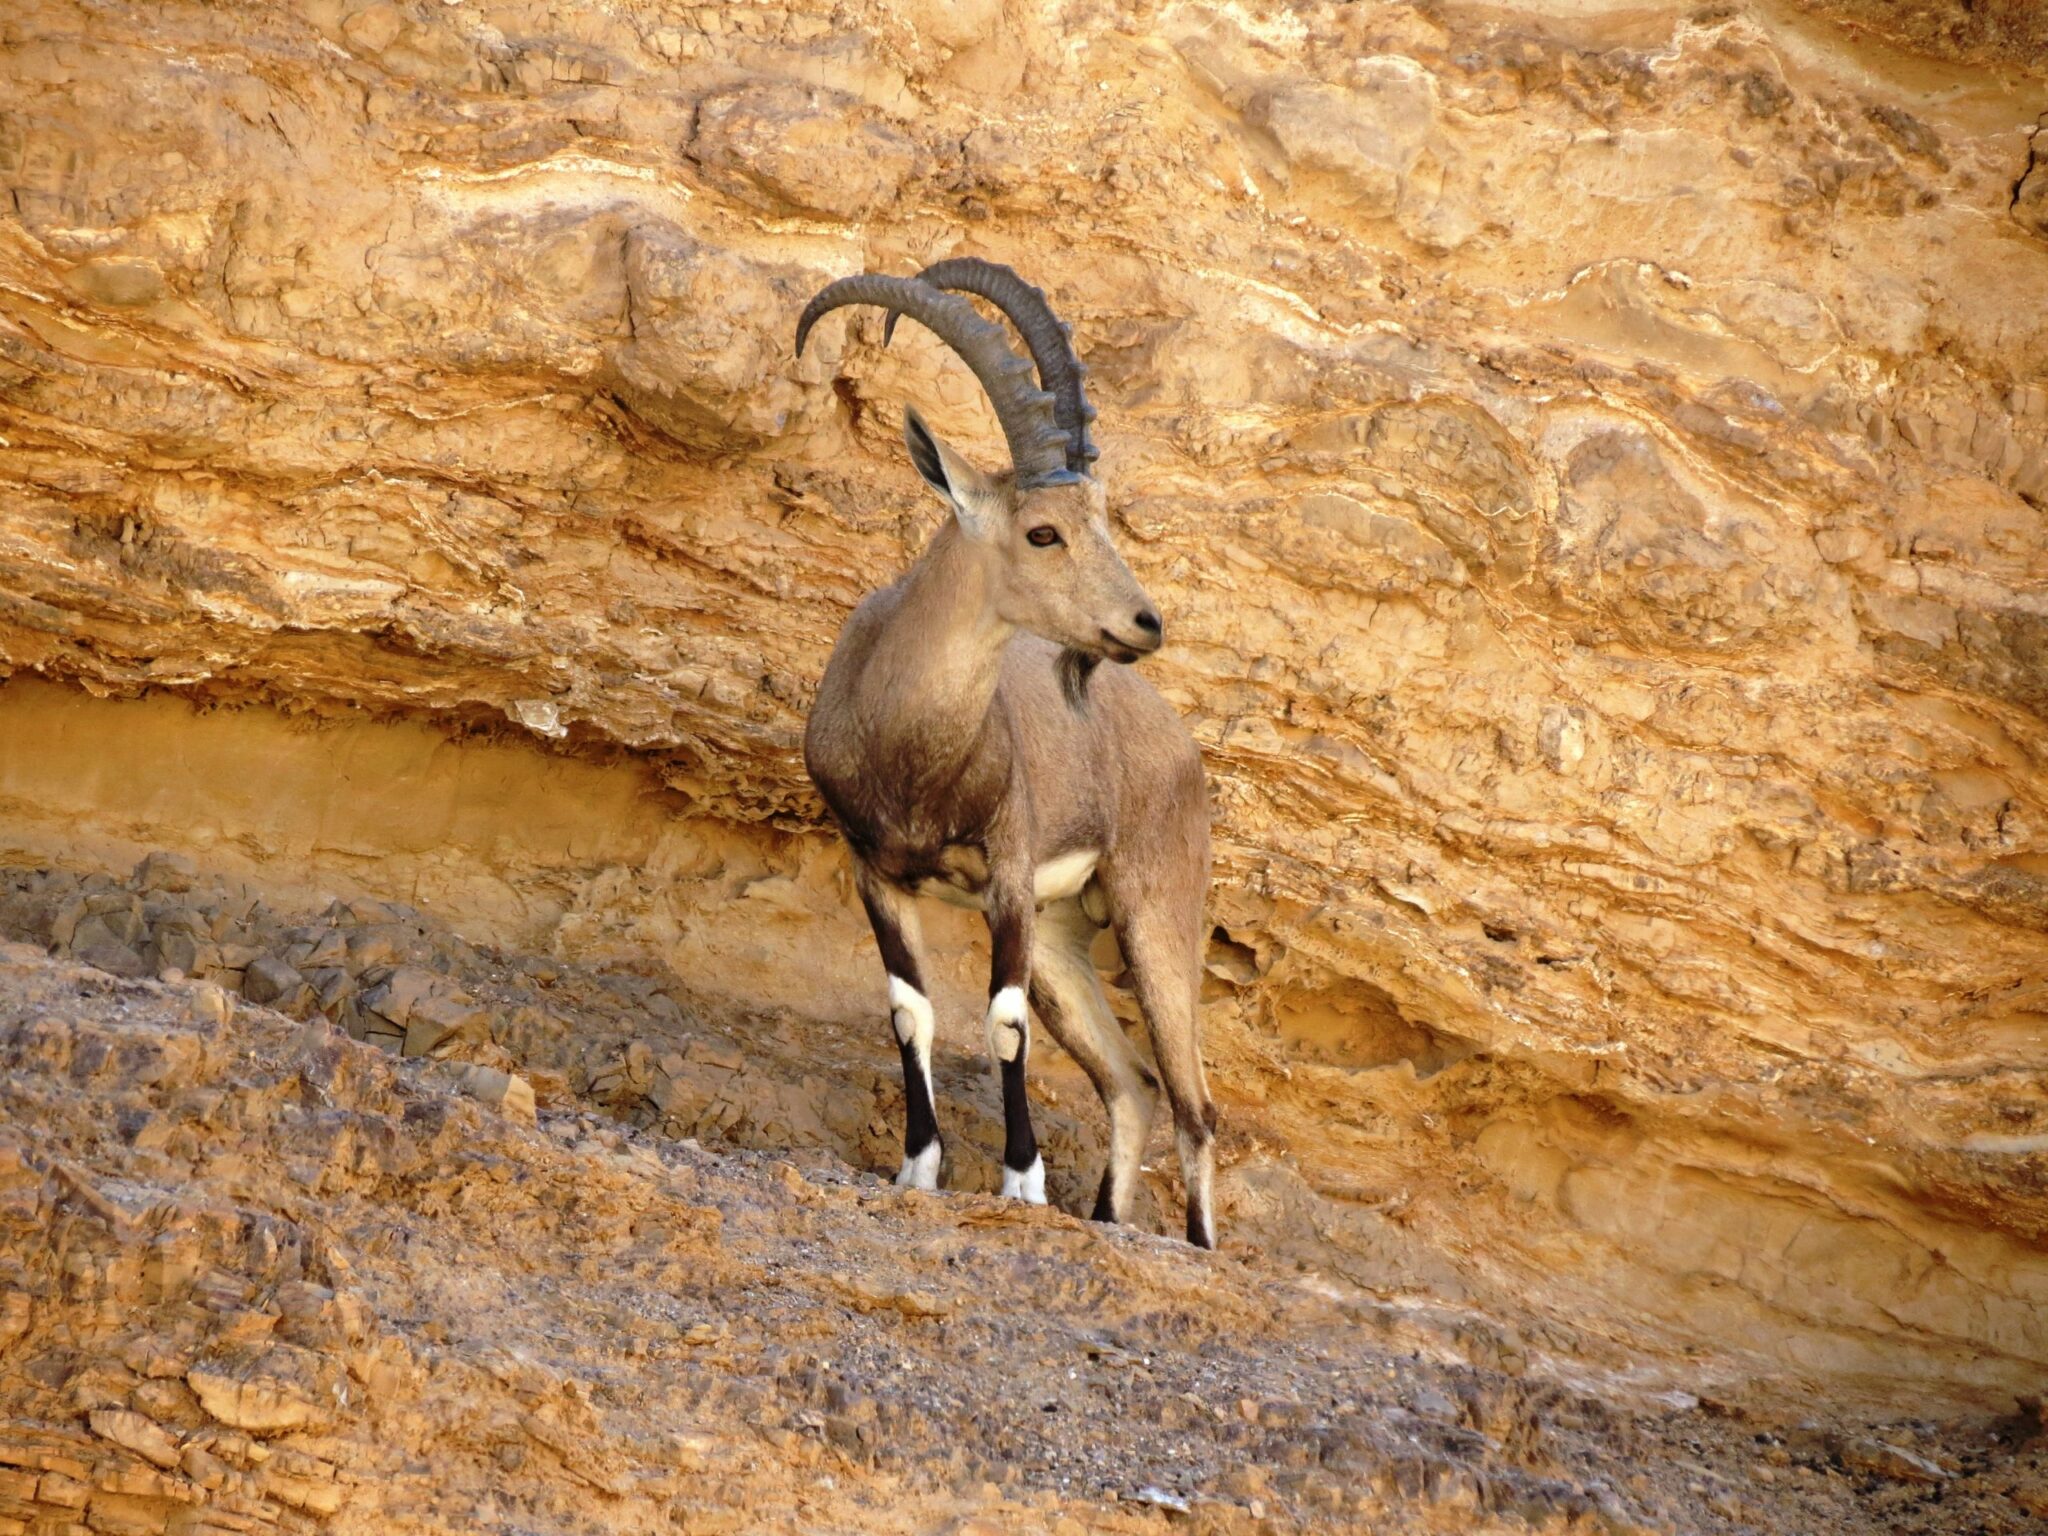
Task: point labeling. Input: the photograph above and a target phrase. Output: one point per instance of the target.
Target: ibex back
(971, 751)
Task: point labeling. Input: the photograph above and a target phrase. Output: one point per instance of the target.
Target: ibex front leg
(894, 917)
(1010, 913)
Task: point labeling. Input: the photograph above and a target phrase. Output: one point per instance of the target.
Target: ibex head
(1043, 524)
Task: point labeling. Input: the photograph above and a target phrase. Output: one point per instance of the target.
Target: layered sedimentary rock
(1593, 468)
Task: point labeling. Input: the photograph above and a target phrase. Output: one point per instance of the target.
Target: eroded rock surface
(1593, 465)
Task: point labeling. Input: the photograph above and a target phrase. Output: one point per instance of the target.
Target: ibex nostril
(1147, 620)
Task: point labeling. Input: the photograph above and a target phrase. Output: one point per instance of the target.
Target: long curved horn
(1051, 340)
(1038, 445)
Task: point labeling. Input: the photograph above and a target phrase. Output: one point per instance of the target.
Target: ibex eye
(1044, 536)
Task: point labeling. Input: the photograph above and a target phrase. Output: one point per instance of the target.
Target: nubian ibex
(970, 751)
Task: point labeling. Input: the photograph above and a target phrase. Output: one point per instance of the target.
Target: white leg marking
(1006, 1024)
(910, 1011)
(1028, 1186)
(921, 1171)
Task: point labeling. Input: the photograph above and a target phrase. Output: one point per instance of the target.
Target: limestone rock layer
(1592, 462)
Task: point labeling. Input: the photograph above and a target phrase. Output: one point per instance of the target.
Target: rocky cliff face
(1593, 463)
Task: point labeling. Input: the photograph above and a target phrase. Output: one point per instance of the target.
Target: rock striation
(1594, 464)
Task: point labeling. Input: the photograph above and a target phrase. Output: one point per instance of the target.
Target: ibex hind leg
(1163, 950)
(1066, 993)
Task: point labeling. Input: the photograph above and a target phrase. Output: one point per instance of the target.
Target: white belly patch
(1054, 880)
(1057, 879)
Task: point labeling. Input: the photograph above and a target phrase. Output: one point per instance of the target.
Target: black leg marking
(920, 1121)
(1103, 1211)
(1020, 1146)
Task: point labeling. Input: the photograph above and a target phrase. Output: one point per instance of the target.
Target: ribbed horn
(1051, 340)
(1029, 416)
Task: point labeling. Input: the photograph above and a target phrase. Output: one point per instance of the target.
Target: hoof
(921, 1171)
(1028, 1186)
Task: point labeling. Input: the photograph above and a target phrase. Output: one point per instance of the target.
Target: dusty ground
(259, 1273)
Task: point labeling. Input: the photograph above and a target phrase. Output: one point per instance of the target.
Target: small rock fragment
(115, 958)
(381, 944)
(397, 995)
(165, 871)
(321, 949)
(710, 1053)
(209, 1003)
(268, 980)
(64, 1492)
(871, 1295)
(316, 1496)
(1432, 1404)
(132, 1431)
(202, 1467)
(439, 1026)
(1159, 1498)
(639, 1064)
(181, 950)
(507, 1092)
(259, 1400)
(1890, 1461)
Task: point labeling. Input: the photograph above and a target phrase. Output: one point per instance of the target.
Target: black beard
(1075, 668)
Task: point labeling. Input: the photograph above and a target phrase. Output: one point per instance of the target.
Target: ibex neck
(945, 648)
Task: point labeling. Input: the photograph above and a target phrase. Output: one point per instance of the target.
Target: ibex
(970, 751)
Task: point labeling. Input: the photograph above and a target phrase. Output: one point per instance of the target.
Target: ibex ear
(973, 497)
